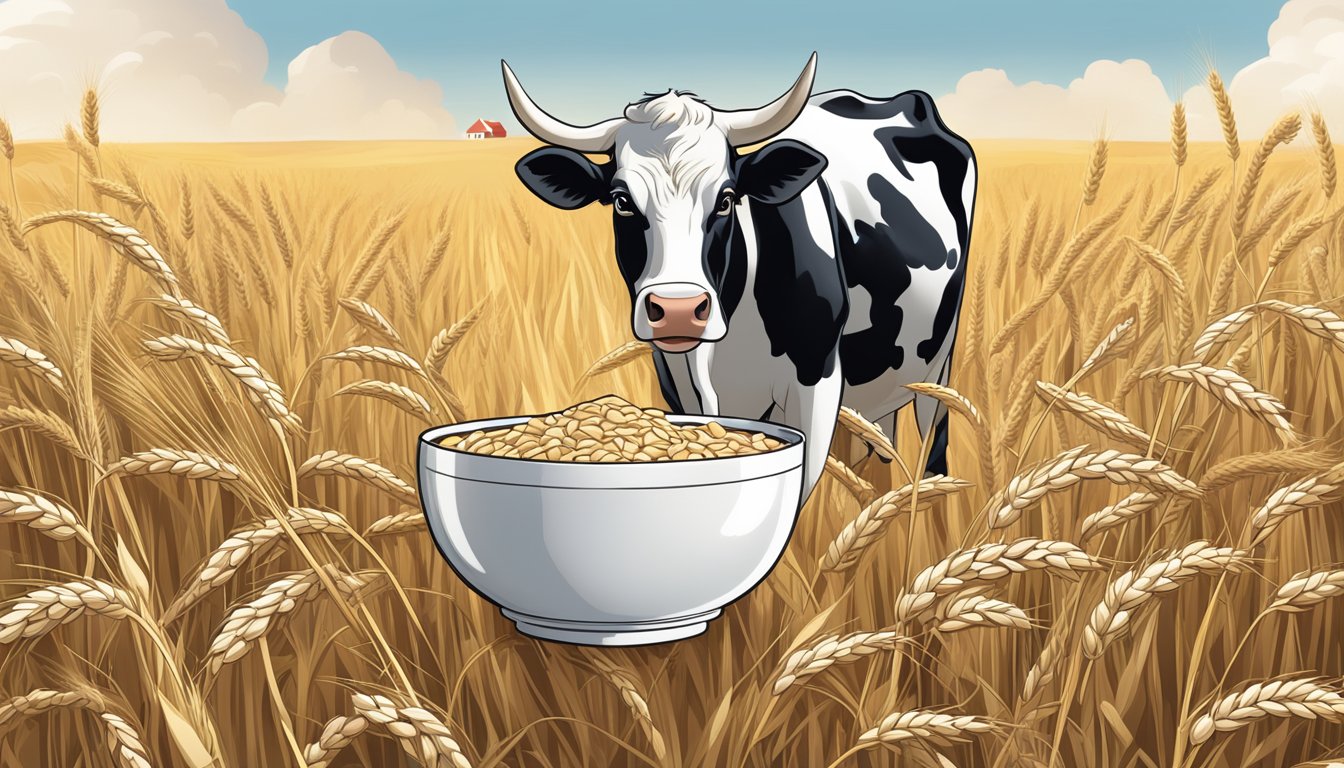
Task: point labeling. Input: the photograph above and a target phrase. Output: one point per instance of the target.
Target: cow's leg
(812, 410)
(932, 415)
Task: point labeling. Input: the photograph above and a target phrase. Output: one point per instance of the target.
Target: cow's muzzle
(677, 317)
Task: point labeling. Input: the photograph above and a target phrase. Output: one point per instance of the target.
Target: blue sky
(586, 60)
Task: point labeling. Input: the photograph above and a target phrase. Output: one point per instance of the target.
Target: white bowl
(611, 554)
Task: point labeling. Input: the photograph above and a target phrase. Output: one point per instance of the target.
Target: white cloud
(189, 71)
(1305, 67)
(1124, 100)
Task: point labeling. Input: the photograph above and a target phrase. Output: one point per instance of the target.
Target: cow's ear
(779, 171)
(562, 177)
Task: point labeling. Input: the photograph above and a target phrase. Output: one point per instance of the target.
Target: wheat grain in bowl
(612, 430)
(624, 546)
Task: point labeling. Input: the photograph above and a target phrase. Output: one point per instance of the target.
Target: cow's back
(903, 187)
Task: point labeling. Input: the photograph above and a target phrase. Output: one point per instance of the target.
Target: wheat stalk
(1325, 151)
(987, 563)
(372, 320)
(281, 598)
(1126, 509)
(192, 314)
(1294, 498)
(938, 729)
(850, 544)
(44, 609)
(979, 611)
(1134, 589)
(1097, 415)
(125, 241)
(1225, 117)
(1075, 465)
(1306, 589)
(1096, 168)
(625, 354)
(20, 355)
(829, 651)
(338, 734)
(361, 469)
(1231, 389)
(421, 734)
(402, 522)
(192, 465)
(1302, 697)
(122, 738)
(634, 700)
(242, 545)
(399, 395)
(48, 517)
(262, 390)
(44, 424)
(861, 489)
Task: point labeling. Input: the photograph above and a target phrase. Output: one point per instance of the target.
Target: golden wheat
(339, 733)
(46, 516)
(20, 355)
(421, 734)
(634, 700)
(402, 522)
(192, 465)
(261, 389)
(371, 320)
(196, 316)
(1096, 168)
(46, 608)
(860, 533)
(935, 728)
(123, 740)
(1231, 389)
(1307, 589)
(1294, 498)
(361, 469)
(1325, 150)
(126, 241)
(44, 424)
(399, 395)
(828, 651)
(1097, 415)
(1301, 697)
(861, 489)
(1226, 119)
(979, 611)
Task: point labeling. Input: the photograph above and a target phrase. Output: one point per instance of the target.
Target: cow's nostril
(655, 310)
(702, 310)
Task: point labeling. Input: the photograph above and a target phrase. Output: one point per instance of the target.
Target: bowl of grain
(609, 524)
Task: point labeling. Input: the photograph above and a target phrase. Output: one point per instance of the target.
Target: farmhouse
(486, 129)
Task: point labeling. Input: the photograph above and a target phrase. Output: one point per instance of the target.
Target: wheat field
(211, 381)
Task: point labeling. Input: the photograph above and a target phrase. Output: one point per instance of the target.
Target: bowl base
(611, 634)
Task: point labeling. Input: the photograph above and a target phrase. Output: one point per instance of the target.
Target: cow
(824, 268)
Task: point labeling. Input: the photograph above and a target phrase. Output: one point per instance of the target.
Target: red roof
(490, 128)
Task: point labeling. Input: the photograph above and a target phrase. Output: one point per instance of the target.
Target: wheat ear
(625, 684)
(126, 241)
(829, 651)
(854, 539)
(1111, 346)
(867, 431)
(1325, 151)
(1225, 117)
(192, 465)
(193, 315)
(371, 320)
(1302, 697)
(402, 522)
(1134, 589)
(1307, 589)
(955, 401)
(1097, 415)
(44, 424)
(1294, 498)
(46, 608)
(22, 356)
(1289, 460)
(48, 517)
(338, 734)
(123, 740)
(361, 469)
(935, 728)
(979, 611)
(421, 734)
(262, 390)
(858, 487)
(399, 395)
(1096, 168)
(1231, 389)
(623, 355)
(1126, 509)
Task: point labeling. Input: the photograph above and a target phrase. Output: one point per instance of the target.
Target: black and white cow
(824, 268)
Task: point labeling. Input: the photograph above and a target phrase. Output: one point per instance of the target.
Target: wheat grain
(859, 488)
(171, 461)
(633, 699)
(1314, 320)
(421, 734)
(1134, 589)
(126, 241)
(1075, 465)
(338, 734)
(399, 395)
(1126, 509)
(1096, 414)
(829, 651)
(46, 608)
(1301, 697)
(987, 563)
(262, 390)
(1042, 672)
(1294, 498)
(357, 468)
(934, 728)
(1232, 390)
(88, 115)
(20, 355)
(117, 191)
(1225, 117)
(854, 539)
(192, 314)
(371, 320)
(46, 516)
(1096, 168)
(242, 545)
(1325, 151)
(979, 611)
(188, 210)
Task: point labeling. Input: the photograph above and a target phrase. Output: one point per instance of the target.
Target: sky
(593, 61)
(211, 70)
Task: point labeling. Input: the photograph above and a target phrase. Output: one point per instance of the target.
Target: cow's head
(672, 179)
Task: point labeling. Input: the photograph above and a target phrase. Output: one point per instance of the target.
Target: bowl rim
(464, 465)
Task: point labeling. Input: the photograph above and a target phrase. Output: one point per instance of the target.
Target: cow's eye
(622, 204)
(726, 202)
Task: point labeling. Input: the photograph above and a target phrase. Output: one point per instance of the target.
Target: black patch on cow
(937, 463)
(799, 290)
(724, 259)
(564, 178)
(665, 382)
(632, 247)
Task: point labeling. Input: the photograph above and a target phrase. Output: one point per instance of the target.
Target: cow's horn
(599, 137)
(750, 126)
